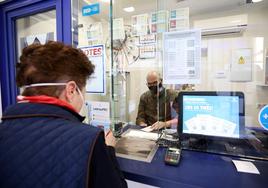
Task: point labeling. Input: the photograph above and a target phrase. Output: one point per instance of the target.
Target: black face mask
(154, 89)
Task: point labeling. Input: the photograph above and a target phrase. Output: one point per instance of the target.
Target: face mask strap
(80, 93)
(54, 84)
(43, 84)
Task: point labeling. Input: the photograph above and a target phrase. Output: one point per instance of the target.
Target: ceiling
(197, 7)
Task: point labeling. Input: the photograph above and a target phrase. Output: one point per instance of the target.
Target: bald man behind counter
(155, 104)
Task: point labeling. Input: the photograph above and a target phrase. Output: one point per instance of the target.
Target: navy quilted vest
(46, 146)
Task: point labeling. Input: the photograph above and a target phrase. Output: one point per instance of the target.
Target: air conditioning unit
(228, 25)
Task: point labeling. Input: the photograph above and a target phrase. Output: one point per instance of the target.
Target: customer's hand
(110, 139)
(158, 125)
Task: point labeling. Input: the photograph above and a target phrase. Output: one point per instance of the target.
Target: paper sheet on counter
(141, 134)
(245, 166)
(148, 129)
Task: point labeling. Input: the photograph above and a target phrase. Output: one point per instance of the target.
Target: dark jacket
(154, 108)
(44, 145)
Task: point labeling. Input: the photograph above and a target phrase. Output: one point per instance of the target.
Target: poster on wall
(241, 65)
(94, 33)
(182, 57)
(147, 51)
(96, 83)
(99, 114)
(91, 9)
(140, 24)
(159, 23)
(179, 19)
(147, 39)
(147, 46)
(118, 29)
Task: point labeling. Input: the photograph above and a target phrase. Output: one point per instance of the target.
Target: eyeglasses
(152, 83)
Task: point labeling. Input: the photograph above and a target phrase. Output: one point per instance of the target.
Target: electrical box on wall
(241, 65)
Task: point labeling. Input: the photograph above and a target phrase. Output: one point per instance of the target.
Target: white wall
(219, 58)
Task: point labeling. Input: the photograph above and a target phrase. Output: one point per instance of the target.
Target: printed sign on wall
(99, 114)
(182, 57)
(96, 83)
(91, 9)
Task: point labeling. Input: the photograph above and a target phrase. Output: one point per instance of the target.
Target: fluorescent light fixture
(129, 9)
(253, 1)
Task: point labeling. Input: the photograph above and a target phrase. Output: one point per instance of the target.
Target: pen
(108, 133)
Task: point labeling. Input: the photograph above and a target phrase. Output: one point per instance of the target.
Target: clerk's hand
(110, 139)
(143, 124)
(158, 125)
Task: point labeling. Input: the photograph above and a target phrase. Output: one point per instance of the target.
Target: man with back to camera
(155, 105)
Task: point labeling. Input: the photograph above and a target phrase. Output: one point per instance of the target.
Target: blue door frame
(9, 12)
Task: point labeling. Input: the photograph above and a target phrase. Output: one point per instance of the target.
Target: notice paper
(182, 57)
(134, 184)
(97, 82)
(245, 166)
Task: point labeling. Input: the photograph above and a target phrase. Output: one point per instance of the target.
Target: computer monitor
(211, 114)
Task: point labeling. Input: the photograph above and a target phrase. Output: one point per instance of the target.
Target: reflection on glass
(232, 55)
(35, 29)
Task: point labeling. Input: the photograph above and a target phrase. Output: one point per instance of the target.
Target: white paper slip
(147, 129)
(141, 134)
(133, 184)
(245, 166)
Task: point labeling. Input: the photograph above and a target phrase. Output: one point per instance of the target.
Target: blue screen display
(211, 115)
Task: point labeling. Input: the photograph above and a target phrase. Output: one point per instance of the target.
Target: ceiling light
(253, 1)
(129, 9)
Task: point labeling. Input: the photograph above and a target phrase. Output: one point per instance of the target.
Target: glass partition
(134, 53)
(38, 28)
(91, 33)
(217, 46)
(230, 57)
